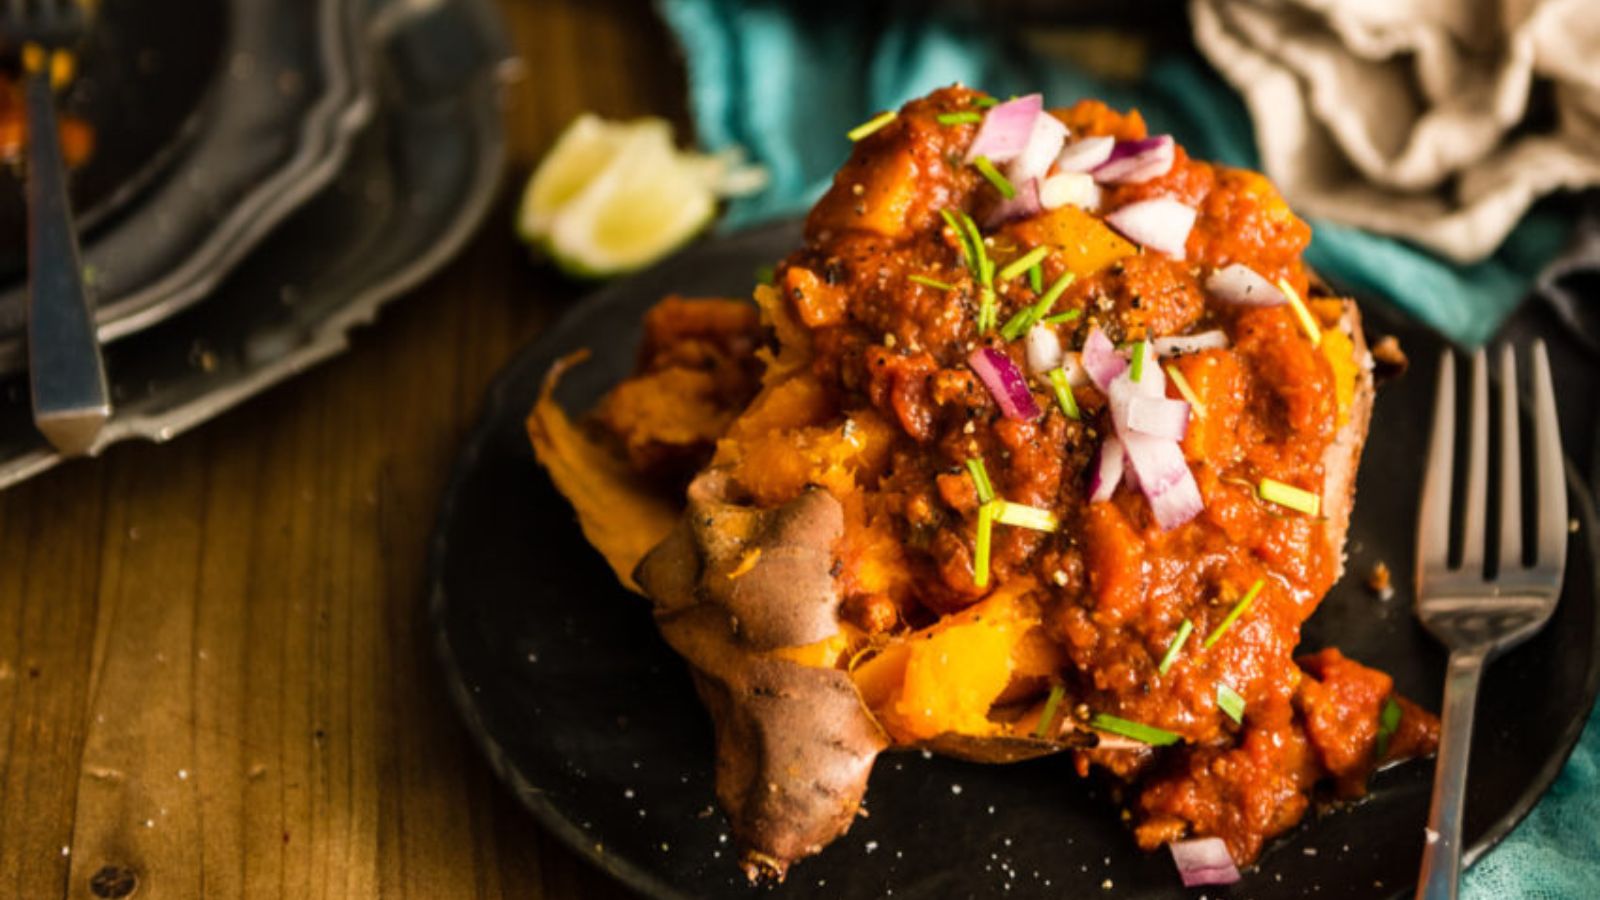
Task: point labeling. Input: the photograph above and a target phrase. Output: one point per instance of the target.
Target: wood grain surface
(215, 674)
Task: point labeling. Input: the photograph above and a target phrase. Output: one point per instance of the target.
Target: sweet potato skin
(795, 744)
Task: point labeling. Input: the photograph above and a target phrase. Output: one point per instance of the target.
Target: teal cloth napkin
(786, 86)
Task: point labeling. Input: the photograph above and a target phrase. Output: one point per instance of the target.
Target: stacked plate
(266, 174)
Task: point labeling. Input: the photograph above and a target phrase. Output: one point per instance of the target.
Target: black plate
(593, 723)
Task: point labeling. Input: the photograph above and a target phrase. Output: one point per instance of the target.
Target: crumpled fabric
(1437, 121)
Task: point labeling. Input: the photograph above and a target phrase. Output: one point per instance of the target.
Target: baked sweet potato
(902, 540)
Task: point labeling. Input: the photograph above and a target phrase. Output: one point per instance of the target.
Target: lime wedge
(614, 196)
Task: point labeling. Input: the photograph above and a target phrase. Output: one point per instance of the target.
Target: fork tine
(1510, 464)
(1433, 531)
(1552, 475)
(1477, 488)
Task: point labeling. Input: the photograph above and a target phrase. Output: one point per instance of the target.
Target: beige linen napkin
(1412, 117)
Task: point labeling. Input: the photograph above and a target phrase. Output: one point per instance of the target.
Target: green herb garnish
(985, 102)
(1136, 361)
(1025, 261)
(980, 479)
(1236, 612)
(1182, 384)
(1063, 392)
(1175, 646)
(1000, 182)
(871, 125)
(1025, 516)
(980, 545)
(1388, 723)
(931, 282)
(1229, 701)
(1274, 491)
(1144, 734)
(1058, 318)
(958, 118)
(1033, 313)
(1057, 691)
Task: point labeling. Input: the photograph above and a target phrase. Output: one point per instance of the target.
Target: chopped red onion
(1044, 349)
(1203, 861)
(1162, 224)
(1158, 417)
(1152, 381)
(1084, 155)
(1163, 474)
(1164, 477)
(1069, 189)
(1024, 204)
(1044, 142)
(1238, 283)
(1101, 360)
(1001, 376)
(1132, 162)
(1190, 343)
(1072, 364)
(1107, 471)
(1006, 128)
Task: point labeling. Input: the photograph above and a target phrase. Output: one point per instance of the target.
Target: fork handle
(71, 400)
(1441, 854)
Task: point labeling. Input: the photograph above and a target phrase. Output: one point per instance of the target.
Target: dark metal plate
(593, 722)
(272, 126)
(419, 179)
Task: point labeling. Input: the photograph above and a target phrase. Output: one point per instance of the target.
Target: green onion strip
(1237, 611)
(1144, 734)
(1057, 691)
(1175, 646)
(871, 125)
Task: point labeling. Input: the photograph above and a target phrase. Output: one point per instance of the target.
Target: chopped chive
(980, 545)
(1144, 734)
(1032, 314)
(1288, 495)
(1175, 646)
(967, 253)
(1063, 392)
(1018, 324)
(988, 311)
(1388, 723)
(1182, 384)
(1036, 278)
(871, 125)
(1024, 516)
(986, 102)
(1058, 318)
(984, 266)
(1136, 361)
(1025, 261)
(980, 479)
(931, 282)
(1000, 182)
(1301, 312)
(1229, 701)
(1057, 691)
(1057, 288)
(766, 275)
(959, 118)
(1236, 612)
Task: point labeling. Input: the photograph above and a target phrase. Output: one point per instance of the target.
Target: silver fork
(71, 400)
(1475, 616)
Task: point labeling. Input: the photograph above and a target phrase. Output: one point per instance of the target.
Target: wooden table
(215, 672)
